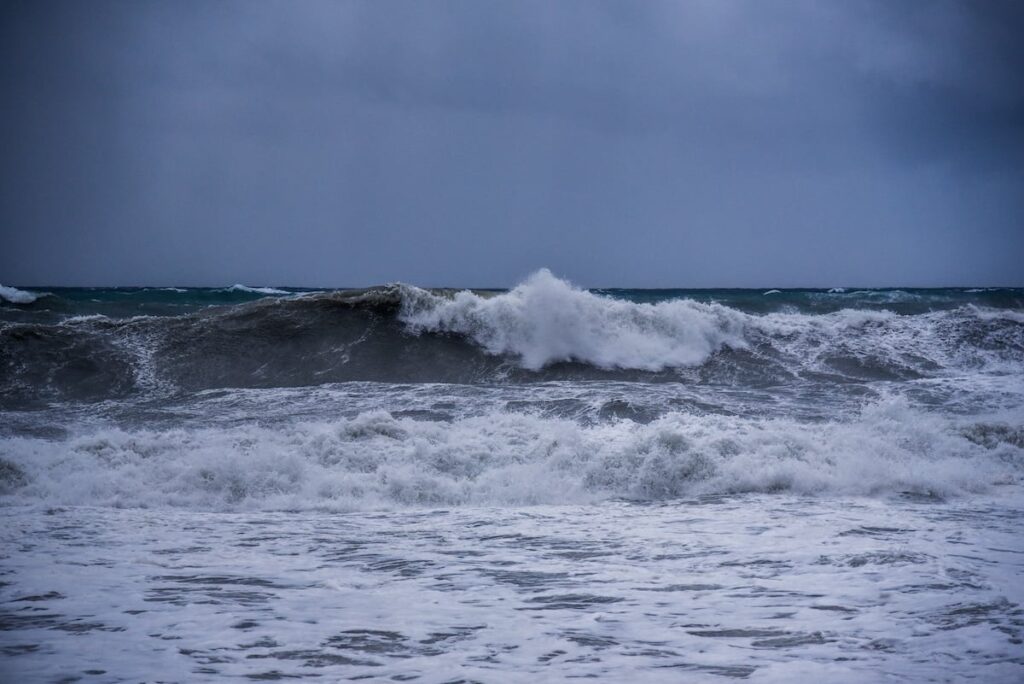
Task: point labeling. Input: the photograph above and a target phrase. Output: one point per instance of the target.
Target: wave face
(542, 330)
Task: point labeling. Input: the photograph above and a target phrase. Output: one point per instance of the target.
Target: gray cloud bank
(712, 143)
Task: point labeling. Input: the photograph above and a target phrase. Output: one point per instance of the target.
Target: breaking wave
(545, 320)
(379, 460)
(451, 397)
(544, 329)
(237, 287)
(16, 296)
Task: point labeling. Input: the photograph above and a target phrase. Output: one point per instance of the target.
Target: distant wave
(769, 292)
(884, 296)
(255, 290)
(16, 296)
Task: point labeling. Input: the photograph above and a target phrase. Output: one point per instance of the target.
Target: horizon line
(499, 288)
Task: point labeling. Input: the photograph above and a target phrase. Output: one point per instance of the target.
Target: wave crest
(238, 287)
(16, 296)
(546, 320)
(544, 329)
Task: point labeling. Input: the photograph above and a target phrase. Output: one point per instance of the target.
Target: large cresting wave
(544, 329)
(545, 320)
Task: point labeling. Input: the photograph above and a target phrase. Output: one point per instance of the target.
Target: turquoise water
(55, 302)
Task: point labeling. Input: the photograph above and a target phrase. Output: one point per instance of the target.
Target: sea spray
(545, 320)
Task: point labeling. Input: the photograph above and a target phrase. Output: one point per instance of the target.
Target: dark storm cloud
(965, 103)
(468, 143)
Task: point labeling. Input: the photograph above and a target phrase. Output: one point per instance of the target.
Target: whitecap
(16, 296)
(546, 320)
(238, 287)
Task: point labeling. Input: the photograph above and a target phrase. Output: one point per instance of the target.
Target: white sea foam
(989, 314)
(237, 287)
(755, 588)
(938, 342)
(770, 292)
(887, 296)
(85, 318)
(16, 296)
(815, 563)
(378, 460)
(545, 320)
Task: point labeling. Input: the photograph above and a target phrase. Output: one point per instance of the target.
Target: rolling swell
(542, 330)
(298, 342)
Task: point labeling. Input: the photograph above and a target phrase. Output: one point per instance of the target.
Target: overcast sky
(701, 144)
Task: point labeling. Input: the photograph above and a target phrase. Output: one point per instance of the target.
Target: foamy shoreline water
(378, 460)
(754, 587)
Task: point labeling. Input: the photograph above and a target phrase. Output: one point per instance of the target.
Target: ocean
(538, 484)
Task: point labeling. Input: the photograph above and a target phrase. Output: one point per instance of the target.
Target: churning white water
(541, 484)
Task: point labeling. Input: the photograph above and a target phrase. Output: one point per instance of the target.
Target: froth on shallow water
(752, 588)
(376, 459)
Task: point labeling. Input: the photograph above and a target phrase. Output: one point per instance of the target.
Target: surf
(544, 329)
